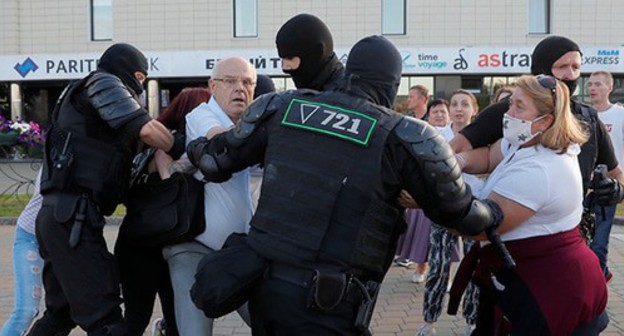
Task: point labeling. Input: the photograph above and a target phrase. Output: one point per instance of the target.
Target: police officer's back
(328, 218)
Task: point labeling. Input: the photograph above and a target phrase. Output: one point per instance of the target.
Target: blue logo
(26, 67)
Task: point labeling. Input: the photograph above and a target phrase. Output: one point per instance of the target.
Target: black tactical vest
(101, 156)
(322, 175)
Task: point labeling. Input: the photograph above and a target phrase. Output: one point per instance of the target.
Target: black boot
(116, 329)
(46, 327)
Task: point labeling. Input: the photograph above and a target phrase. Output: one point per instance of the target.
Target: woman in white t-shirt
(556, 286)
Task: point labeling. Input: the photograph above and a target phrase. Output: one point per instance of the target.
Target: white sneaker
(418, 277)
(469, 329)
(158, 328)
(426, 329)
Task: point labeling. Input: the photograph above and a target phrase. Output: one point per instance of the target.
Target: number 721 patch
(330, 120)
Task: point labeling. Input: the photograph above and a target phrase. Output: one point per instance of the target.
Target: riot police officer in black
(306, 48)
(328, 218)
(96, 126)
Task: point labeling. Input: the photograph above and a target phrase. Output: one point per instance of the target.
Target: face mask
(517, 131)
(571, 84)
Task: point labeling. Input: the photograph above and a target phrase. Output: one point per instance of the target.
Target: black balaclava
(123, 60)
(374, 70)
(547, 52)
(264, 84)
(308, 38)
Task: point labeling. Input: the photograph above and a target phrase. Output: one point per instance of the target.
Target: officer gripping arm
(432, 175)
(226, 153)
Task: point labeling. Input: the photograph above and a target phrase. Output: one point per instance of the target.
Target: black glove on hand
(195, 150)
(608, 191)
(178, 146)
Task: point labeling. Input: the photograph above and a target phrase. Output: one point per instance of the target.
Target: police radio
(61, 166)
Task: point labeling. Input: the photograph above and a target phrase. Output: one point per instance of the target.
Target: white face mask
(517, 131)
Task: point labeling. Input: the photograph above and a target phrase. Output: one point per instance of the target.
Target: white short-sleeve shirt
(227, 204)
(542, 180)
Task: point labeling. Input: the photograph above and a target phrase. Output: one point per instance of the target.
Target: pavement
(399, 307)
(398, 311)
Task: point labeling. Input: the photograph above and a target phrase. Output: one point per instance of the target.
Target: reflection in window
(245, 18)
(101, 20)
(539, 16)
(393, 17)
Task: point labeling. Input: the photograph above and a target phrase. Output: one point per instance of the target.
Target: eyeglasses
(550, 83)
(248, 83)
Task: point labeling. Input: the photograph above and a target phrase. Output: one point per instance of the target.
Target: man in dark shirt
(559, 57)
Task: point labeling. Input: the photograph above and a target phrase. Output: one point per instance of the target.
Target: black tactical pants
(144, 273)
(81, 283)
(278, 307)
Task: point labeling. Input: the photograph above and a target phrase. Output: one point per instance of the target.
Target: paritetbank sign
(199, 63)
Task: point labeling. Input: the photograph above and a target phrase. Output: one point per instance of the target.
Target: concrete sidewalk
(398, 311)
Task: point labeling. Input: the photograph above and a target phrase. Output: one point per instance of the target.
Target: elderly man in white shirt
(227, 204)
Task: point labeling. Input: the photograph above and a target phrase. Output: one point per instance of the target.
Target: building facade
(445, 44)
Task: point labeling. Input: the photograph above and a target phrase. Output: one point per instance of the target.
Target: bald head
(233, 82)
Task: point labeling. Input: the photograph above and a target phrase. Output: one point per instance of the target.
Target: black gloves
(481, 215)
(608, 191)
(195, 150)
(207, 163)
(178, 146)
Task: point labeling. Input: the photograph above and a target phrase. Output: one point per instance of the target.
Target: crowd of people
(306, 197)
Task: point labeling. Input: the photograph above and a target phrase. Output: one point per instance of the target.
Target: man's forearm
(155, 134)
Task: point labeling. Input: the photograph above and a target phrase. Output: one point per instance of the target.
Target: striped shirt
(27, 218)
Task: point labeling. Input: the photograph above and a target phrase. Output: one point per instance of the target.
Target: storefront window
(101, 20)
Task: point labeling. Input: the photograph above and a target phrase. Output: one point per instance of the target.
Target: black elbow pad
(481, 215)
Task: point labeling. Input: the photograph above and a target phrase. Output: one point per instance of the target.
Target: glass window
(245, 18)
(539, 16)
(393, 17)
(101, 20)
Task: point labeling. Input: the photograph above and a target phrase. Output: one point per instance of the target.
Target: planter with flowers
(21, 139)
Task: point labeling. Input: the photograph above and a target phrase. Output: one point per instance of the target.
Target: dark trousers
(81, 283)
(278, 307)
(144, 273)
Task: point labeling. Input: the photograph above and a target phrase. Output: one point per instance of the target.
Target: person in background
(438, 113)
(27, 268)
(412, 246)
(600, 86)
(502, 93)
(143, 271)
(556, 286)
(444, 244)
(417, 101)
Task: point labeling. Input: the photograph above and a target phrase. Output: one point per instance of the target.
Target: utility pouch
(327, 290)
(65, 207)
(365, 311)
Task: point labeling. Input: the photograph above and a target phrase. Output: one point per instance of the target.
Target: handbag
(164, 212)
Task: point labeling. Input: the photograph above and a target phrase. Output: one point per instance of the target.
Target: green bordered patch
(331, 120)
